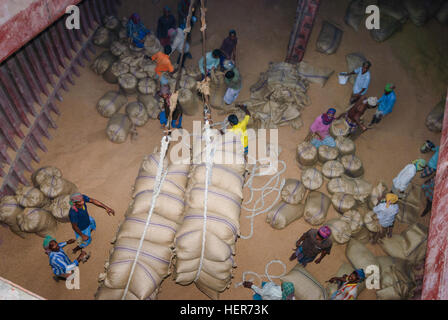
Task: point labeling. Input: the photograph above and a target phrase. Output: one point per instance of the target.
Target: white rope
(265, 275)
(160, 177)
(209, 156)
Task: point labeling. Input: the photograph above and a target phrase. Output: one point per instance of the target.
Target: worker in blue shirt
(385, 104)
(136, 31)
(431, 166)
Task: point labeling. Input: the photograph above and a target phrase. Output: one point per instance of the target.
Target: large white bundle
(378, 192)
(306, 287)
(37, 220)
(40, 174)
(343, 202)
(352, 165)
(283, 214)
(362, 189)
(118, 128)
(332, 169)
(53, 187)
(312, 179)
(151, 104)
(316, 208)
(340, 230)
(355, 219)
(147, 86)
(345, 145)
(30, 197)
(341, 185)
(223, 177)
(326, 153)
(306, 154)
(116, 69)
(9, 209)
(60, 208)
(110, 103)
(371, 222)
(293, 191)
(136, 112)
(359, 256)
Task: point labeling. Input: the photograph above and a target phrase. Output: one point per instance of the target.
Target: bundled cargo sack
(188, 82)
(359, 256)
(343, 202)
(396, 280)
(37, 220)
(118, 128)
(442, 15)
(394, 9)
(345, 146)
(116, 69)
(40, 174)
(355, 13)
(128, 83)
(118, 48)
(319, 75)
(293, 191)
(306, 154)
(316, 208)
(388, 27)
(218, 89)
(362, 189)
(151, 104)
(355, 219)
(378, 192)
(103, 37)
(339, 128)
(30, 197)
(371, 222)
(329, 38)
(434, 120)
(362, 236)
(410, 205)
(417, 11)
(111, 103)
(152, 45)
(60, 208)
(136, 112)
(332, 169)
(354, 61)
(344, 269)
(53, 187)
(189, 102)
(112, 23)
(340, 230)
(341, 185)
(312, 179)
(306, 287)
(326, 153)
(137, 72)
(103, 62)
(283, 214)
(353, 166)
(9, 209)
(105, 293)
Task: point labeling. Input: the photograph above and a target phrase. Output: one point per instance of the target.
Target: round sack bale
(152, 45)
(218, 89)
(193, 71)
(339, 128)
(151, 104)
(147, 86)
(137, 72)
(297, 123)
(283, 214)
(343, 202)
(345, 146)
(359, 256)
(312, 179)
(103, 37)
(149, 67)
(110, 103)
(417, 11)
(117, 69)
(316, 208)
(112, 23)
(103, 62)
(355, 14)
(329, 38)
(306, 154)
(355, 219)
(60, 208)
(394, 9)
(352, 165)
(30, 197)
(306, 287)
(136, 112)
(340, 230)
(118, 48)
(189, 102)
(118, 128)
(53, 187)
(388, 26)
(332, 169)
(326, 153)
(362, 189)
(293, 191)
(340, 185)
(187, 82)
(378, 192)
(371, 222)
(9, 209)
(37, 220)
(128, 83)
(434, 120)
(362, 236)
(40, 174)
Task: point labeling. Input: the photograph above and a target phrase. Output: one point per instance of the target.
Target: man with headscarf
(82, 223)
(348, 285)
(400, 184)
(386, 211)
(136, 31)
(319, 130)
(165, 23)
(310, 244)
(60, 263)
(271, 291)
(362, 81)
(354, 114)
(385, 104)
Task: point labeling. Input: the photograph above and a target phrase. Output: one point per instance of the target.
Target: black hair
(216, 53)
(368, 63)
(167, 49)
(230, 74)
(232, 32)
(233, 119)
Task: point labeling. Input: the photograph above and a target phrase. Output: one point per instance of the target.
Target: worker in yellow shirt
(240, 128)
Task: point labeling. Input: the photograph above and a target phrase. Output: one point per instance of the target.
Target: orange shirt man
(163, 63)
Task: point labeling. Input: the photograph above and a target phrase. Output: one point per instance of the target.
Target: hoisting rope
(265, 275)
(160, 178)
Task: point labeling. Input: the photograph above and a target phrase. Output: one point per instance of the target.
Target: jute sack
(442, 15)
(378, 192)
(388, 26)
(283, 214)
(359, 256)
(344, 269)
(60, 208)
(362, 236)
(37, 220)
(137, 72)
(110, 103)
(354, 61)
(345, 146)
(306, 287)
(352, 165)
(53, 187)
(187, 82)
(371, 222)
(151, 162)
(112, 23)
(118, 48)
(332, 169)
(290, 113)
(152, 45)
(417, 11)
(343, 202)
(40, 174)
(189, 102)
(293, 191)
(329, 38)
(408, 213)
(355, 219)
(312, 179)
(133, 59)
(118, 128)
(105, 293)
(396, 280)
(30, 197)
(136, 112)
(341, 185)
(212, 294)
(193, 71)
(9, 209)
(222, 177)
(103, 62)
(103, 37)
(339, 128)
(319, 75)
(297, 123)
(355, 14)
(362, 189)
(128, 83)
(116, 69)
(149, 67)
(218, 89)
(385, 263)
(316, 208)
(434, 120)
(340, 230)
(151, 104)
(282, 95)
(394, 9)
(326, 153)
(306, 154)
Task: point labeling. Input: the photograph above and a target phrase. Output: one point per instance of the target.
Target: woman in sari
(319, 130)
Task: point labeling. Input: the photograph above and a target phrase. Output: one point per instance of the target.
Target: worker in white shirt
(362, 81)
(177, 37)
(271, 291)
(401, 182)
(386, 211)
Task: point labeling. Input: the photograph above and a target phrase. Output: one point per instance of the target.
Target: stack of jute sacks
(154, 261)
(135, 101)
(38, 208)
